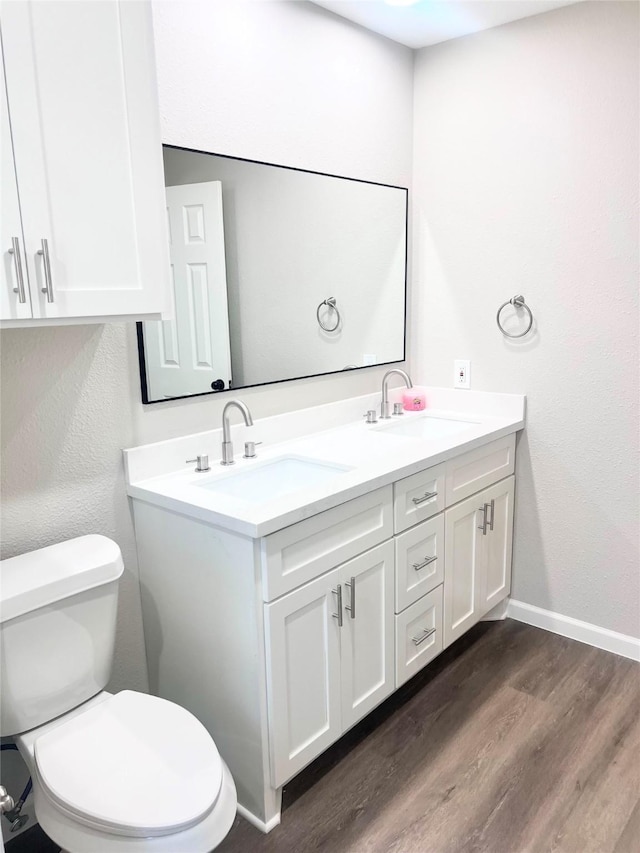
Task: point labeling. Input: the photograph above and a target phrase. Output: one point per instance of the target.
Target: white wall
(526, 181)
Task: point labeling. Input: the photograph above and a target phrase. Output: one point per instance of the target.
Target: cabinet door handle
(338, 615)
(426, 632)
(493, 513)
(46, 263)
(426, 497)
(483, 526)
(425, 562)
(17, 260)
(352, 588)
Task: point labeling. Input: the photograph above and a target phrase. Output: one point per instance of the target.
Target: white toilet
(124, 772)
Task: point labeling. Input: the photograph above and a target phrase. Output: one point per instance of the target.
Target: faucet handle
(371, 415)
(398, 409)
(250, 449)
(202, 463)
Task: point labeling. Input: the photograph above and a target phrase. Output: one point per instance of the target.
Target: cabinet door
(15, 299)
(497, 544)
(85, 123)
(367, 636)
(463, 558)
(303, 675)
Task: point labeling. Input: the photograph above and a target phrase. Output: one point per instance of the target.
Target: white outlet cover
(461, 373)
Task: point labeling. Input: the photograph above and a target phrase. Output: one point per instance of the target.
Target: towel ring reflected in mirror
(331, 304)
(517, 302)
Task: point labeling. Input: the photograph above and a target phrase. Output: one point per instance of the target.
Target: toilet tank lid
(51, 574)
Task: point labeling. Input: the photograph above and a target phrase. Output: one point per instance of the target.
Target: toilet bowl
(112, 773)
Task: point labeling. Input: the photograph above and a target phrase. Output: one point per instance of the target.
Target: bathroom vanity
(286, 597)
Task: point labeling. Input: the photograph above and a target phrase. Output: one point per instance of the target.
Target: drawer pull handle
(352, 607)
(483, 526)
(493, 513)
(425, 562)
(46, 262)
(426, 632)
(426, 497)
(17, 260)
(338, 615)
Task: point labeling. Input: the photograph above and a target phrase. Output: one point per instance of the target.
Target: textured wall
(526, 181)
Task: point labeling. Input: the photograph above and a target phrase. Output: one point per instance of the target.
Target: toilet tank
(58, 610)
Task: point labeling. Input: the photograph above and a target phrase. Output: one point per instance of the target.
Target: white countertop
(375, 457)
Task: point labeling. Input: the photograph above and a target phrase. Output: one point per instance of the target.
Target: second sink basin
(426, 426)
(273, 479)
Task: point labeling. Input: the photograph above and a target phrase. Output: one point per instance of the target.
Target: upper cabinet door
(15, 299)
(84, 118)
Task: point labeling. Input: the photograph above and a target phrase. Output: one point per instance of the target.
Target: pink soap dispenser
(414, 400)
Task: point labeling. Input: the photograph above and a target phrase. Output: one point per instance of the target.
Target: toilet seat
(133, 765)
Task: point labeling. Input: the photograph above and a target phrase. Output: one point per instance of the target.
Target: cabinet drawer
(418, 635)
(471, 472)
(418, 497)
(419, 561)
(297, 554)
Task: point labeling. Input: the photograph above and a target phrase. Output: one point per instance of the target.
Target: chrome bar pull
(426, 632)
(338, 593)
(493, 513)
(483, 526)
(425, 562)
(426, 497)
(352, 587)
(17, 260)
(46, 263)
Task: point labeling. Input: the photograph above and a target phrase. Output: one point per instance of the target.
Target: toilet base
(76, 838)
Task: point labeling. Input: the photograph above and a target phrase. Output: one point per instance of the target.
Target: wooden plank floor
(514, 741)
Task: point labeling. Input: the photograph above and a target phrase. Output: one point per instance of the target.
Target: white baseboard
(263, 826)
(584, 632)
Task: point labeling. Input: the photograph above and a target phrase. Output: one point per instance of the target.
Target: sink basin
(273, 479)
(426, 426)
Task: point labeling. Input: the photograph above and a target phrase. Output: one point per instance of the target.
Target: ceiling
(428, 22)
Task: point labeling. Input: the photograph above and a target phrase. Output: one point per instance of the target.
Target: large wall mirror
(278, 273)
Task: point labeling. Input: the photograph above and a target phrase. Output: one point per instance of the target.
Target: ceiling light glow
(401, 2)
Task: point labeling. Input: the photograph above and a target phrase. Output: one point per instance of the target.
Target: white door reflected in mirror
(185, 354)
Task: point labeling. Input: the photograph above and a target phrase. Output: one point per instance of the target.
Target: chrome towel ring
(517, 302)
(331, 304)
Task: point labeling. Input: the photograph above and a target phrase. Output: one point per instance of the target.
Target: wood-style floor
(513, 741)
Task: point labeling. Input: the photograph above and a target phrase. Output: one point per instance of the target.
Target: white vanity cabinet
(478, 533)
(81, 150)
(330, 653)
(281, 644)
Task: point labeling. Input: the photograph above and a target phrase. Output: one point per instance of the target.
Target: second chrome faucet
(227, 444)
(385, 406)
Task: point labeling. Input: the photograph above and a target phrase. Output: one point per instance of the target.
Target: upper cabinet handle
(483, 526)
(17, 260)
(48, 283)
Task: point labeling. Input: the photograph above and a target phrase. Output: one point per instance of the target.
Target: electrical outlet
(461, 373)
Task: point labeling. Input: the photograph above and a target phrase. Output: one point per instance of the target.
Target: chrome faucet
(385, 405)
(227, 445)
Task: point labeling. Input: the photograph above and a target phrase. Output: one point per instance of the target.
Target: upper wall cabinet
(83, 226)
